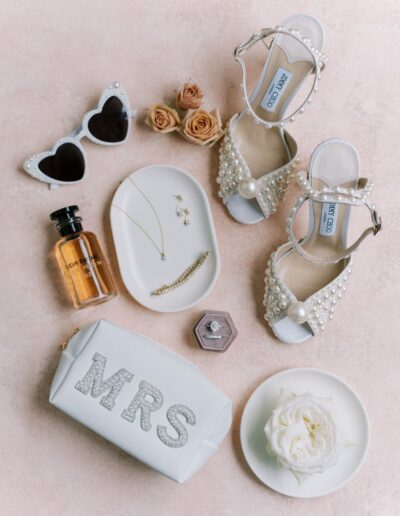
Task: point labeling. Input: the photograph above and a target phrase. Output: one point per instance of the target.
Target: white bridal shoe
(306, 279)
(257, 155)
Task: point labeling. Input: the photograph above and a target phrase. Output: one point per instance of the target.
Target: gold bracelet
(184, 277)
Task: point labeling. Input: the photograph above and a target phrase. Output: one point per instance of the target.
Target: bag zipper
(66, 341)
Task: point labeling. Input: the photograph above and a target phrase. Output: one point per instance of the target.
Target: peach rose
(202, 127)
(189, 97)
(162, 118)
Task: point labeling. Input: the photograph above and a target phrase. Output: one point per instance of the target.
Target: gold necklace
(162, 250)
(184, 277)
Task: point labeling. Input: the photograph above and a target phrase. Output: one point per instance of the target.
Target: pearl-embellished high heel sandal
(306, 279)
(257, 155)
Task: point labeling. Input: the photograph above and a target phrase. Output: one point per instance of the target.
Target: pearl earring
(182, 212)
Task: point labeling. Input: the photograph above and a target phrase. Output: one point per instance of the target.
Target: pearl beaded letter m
(93, 381)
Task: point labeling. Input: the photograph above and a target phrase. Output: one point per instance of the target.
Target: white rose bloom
(304, 434)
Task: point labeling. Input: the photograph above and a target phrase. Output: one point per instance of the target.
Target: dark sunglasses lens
(67, 164)
(111, 125)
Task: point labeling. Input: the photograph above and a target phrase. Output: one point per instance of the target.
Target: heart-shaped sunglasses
(108, 124)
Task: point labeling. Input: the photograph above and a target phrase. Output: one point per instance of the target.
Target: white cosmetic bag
(144, 398)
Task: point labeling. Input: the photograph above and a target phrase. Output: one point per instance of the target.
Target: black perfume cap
(66, 222)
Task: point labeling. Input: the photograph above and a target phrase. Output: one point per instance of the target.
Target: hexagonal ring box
(215, 331)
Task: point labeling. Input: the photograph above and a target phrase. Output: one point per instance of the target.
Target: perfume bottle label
(85, 269)
(276, 89)
(329, 215)
(84, 261)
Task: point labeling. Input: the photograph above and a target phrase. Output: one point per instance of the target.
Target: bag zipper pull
(66, 341)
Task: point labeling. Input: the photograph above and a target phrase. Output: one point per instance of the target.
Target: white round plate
(349, 408)
(140, 263)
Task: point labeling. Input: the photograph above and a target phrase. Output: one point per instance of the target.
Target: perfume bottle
(81, 260)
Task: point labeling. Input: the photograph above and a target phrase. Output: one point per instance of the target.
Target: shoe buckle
(377, 221)
(238, 52)
(241, 49)
(268, 45)
(264, 33)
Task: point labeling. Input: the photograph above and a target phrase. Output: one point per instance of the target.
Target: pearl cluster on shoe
(340, 194)
(317, 310)
(277, 297)
(235, 177)
(273, 186)
(322, 305)
(232, 167)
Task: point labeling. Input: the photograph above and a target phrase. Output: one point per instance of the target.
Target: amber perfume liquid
(82, 261)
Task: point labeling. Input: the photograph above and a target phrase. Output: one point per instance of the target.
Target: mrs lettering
(147, 400)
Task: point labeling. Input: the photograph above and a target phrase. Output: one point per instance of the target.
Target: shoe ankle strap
(319, 60)
(339, 195)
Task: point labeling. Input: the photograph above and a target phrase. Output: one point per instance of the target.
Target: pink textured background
(56, 58)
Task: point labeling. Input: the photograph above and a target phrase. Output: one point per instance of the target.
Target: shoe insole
(265, 150)
(333, 163)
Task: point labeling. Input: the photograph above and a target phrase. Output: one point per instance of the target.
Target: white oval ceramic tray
(349, 408)
(140, 263)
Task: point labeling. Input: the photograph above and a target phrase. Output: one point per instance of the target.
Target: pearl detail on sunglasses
(31, 166)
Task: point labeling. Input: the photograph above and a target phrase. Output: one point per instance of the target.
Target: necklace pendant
(163, 256)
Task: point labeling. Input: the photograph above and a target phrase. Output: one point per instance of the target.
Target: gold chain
(162, 250)
(184, 277)
(66, 341)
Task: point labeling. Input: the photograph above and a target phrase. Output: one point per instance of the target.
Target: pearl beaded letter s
(172, 416)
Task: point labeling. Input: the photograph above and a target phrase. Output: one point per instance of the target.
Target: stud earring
(182, 212)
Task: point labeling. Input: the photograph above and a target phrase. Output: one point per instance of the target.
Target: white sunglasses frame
(31, 165)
